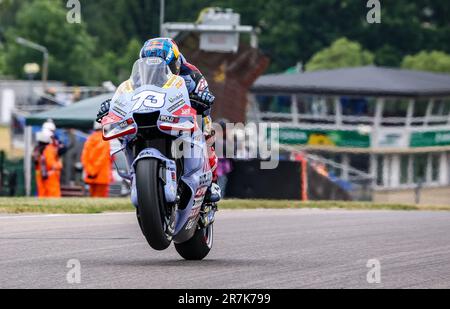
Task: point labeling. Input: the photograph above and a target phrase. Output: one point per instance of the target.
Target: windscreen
(150, 71)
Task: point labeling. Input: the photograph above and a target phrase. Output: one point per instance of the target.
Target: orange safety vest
(48, 172)
(96, 160)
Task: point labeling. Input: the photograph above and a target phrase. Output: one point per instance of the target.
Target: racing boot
(213, 195)
(209, 207)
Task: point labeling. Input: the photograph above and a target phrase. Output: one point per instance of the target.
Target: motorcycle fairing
(177, 118)
(169, 177)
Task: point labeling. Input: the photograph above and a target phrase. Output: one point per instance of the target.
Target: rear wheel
(153, 215)
(198, 247)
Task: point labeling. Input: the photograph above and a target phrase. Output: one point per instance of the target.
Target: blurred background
(360, 89)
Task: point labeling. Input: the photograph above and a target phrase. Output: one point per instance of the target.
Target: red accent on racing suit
(195, 83)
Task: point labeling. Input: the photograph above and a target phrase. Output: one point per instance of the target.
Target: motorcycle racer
(198, 89)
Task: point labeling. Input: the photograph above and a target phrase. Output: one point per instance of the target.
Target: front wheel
(152, 212)
(198, 247)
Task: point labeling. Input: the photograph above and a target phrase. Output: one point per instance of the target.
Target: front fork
(167, 174)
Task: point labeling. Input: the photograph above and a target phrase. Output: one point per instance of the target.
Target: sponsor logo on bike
(176, 98)
(196, 210)
(179, 84)
(124, 124)
(205, 179)
(170, 82)
(201, 192)
(176, 106)
(119, 103)
(185, 111)
(147, 153)
(154, 61)
(119, 111)
(170, 119)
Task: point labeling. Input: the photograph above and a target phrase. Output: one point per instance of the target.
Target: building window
(304, 105)
(447, 159)
(441, 108)
(395, 112)
(420, 111)
(435, 167)
(315, 106)
(447, 107)
(440, 112)
(353, 109)
(361, 162)
(413, 170)
(380, 170)
(420, 168)
(314, 109)
(274, 104)
(404, 169)
(358, 106)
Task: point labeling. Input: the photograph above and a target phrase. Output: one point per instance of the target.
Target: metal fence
(11, 176)
(358, 184)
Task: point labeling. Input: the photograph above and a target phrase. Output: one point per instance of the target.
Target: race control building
(392, 124)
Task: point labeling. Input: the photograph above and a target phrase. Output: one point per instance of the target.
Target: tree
(292, 31)
(388, 56)
(434, 61)
(116, 22)
(342, 53)
(117, 67)
(2, 60)
(71, 48)
(8, 10)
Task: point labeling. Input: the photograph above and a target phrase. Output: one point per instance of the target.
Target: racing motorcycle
(165, 153)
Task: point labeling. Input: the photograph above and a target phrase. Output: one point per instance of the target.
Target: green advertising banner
(430, 139)
(333, 138)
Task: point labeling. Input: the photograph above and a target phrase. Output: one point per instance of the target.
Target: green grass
(64, 206)
(268, 204)
(93, 206)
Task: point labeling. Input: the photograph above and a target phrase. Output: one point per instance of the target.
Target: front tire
(198, 247)
(152, 213)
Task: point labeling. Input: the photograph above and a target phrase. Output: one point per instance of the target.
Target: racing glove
(206, 97)
(202, 102)
(103, 111)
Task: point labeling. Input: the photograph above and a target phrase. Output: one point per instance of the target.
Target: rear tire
(151, 210)
(198, 247)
